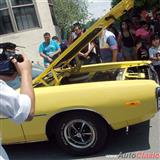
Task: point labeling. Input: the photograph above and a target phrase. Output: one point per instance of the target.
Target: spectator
(77, 30)
(155, 12)
(108, 46)
(88, 54)
(154, 53)
(97, 50)
(70, 37)
(157, 24)
(135, 22)
(49, 49)
(141, 50)
(62, 45)
(144, 15)
(144, 32)
(113, 29)
(127, 40)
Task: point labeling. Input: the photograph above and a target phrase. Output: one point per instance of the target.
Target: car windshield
(36, 71)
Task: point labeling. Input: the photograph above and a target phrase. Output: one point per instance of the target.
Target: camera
(8, 53)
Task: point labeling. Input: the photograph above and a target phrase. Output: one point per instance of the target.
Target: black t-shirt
(142, 53)
(128, 41)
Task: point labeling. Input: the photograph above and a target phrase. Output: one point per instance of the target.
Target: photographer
(17, 106)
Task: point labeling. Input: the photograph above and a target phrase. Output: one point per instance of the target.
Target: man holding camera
(17, 106)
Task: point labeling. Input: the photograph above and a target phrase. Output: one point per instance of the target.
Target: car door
(10, 131)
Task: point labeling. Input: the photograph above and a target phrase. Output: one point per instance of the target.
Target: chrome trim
(3, 117)
(77, 136)
(40, 115)
(37, 115)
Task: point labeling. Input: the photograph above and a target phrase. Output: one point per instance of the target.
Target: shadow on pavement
(137, 139)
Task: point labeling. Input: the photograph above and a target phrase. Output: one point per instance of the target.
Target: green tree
(148, 4)
(67, 12)
(90, 23)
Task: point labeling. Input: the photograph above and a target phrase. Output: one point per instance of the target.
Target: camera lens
(19, 58)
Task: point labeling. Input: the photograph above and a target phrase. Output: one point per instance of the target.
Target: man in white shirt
(108, 46)
(17, 106)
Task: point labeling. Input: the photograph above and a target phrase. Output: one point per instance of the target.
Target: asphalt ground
(142, 140)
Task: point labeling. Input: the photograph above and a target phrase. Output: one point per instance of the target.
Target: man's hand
(82, 55)
(49, 59)
(24, 67)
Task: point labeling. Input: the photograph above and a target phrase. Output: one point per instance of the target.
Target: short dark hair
(77, 25)
(55, 38)
(46, 34)
(154, 37)
(142, 23)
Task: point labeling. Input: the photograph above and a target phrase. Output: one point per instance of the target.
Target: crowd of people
(136, 38)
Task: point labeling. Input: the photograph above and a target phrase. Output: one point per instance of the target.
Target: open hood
(72, 51)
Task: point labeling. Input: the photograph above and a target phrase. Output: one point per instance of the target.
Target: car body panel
(113, 100)
(11, 132)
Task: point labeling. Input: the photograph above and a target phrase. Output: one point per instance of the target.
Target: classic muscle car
(80, 112)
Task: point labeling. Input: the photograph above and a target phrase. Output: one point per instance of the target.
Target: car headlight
(158, 97)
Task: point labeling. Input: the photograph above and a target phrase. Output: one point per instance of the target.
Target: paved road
(144, 137)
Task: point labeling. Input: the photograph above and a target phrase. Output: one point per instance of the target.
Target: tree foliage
(67, 12)
(148, 4)
(90, 23)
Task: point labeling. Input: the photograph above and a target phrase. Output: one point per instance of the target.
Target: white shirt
(153, 53)
(108, 34)
(13, 105)
(103, 38)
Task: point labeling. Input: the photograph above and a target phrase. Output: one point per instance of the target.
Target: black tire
(85, 140)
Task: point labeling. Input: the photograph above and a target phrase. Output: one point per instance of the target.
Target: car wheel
(81, 133)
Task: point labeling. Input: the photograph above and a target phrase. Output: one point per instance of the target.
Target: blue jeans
(106, 55)
(128, 53)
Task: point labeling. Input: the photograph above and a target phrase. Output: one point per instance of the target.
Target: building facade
(24, 22)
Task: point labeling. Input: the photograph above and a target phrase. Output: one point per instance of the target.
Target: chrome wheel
(79, 134)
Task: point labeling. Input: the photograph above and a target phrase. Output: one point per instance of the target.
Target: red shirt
(142, 33)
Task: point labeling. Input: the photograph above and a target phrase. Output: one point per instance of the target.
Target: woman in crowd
(144, 32)
(126, 41)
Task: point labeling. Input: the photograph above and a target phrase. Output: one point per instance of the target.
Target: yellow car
(79, 112)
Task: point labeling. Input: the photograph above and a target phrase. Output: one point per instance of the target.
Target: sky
(98, 7)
